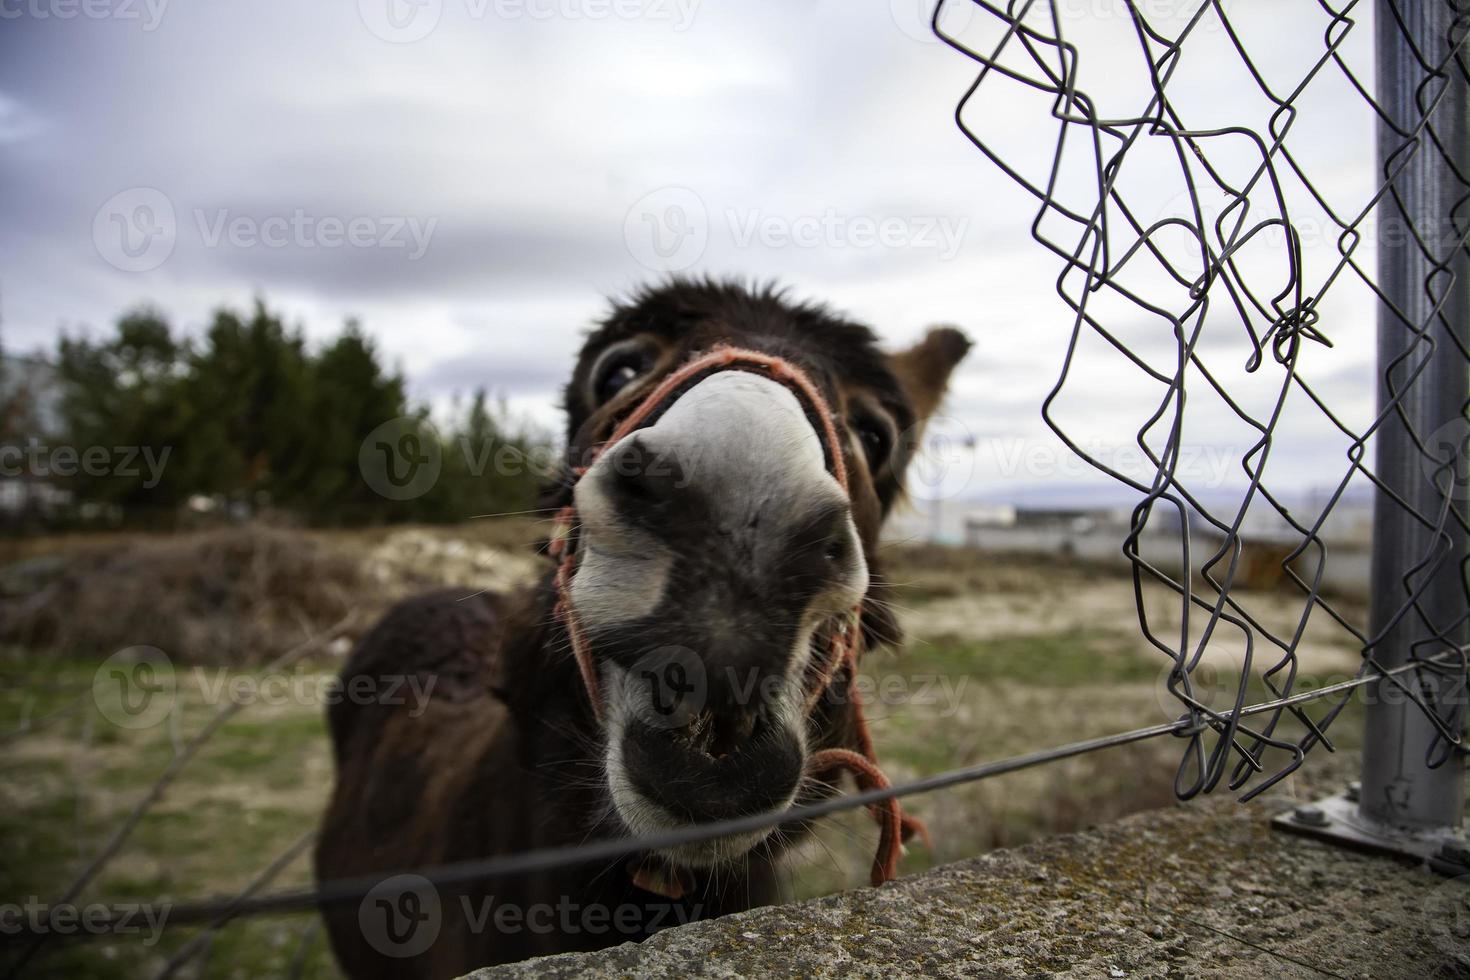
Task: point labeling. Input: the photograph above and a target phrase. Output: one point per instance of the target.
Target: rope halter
(843, 642)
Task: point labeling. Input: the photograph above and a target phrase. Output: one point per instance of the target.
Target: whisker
(514, 513)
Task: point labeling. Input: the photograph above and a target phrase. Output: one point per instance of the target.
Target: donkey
(724, 517)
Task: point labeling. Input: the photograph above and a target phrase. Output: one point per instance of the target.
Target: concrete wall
(1205, 889)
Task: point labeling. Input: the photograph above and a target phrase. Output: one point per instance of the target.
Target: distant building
(1266, 539)
(32, 385)
(1048, 530)
(991, 515)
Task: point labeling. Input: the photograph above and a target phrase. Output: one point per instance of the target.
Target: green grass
(243, 800)
(1050, 660)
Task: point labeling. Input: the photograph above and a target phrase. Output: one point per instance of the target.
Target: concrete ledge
(1203, 889)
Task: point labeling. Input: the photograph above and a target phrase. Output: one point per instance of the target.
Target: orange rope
(894, 827)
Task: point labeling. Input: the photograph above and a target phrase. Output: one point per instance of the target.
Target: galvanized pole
(1423, 272)
(1402, 804)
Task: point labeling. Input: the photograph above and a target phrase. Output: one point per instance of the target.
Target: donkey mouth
(705, 771)
(708, 778)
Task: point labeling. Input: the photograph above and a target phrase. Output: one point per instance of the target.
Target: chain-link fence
(1223, 272)
(1222, 269)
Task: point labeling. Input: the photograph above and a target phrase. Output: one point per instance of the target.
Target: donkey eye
(875, 438)
(619, 367)
(616, 380)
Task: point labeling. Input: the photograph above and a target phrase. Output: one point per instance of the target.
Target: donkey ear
(924, 369)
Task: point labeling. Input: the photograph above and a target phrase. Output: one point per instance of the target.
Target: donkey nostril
(718, 735)
(639, 474)
(695, 731)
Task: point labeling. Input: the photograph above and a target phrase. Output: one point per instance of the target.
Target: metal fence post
(1419, 600)
(1424, 274)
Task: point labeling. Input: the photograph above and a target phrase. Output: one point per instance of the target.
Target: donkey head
(718, 549)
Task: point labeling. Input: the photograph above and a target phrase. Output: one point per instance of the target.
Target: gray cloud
(527, 143)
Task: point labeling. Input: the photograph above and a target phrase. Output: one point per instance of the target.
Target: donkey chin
(717, 550)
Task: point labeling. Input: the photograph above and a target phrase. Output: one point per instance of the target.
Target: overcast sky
(473, 177)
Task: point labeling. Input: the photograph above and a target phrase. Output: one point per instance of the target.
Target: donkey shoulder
(436, 649)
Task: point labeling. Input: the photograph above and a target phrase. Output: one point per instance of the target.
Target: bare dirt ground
(1004, 656)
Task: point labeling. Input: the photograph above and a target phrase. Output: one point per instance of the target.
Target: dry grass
(239, 595)
(1034, 654)
(232, 596)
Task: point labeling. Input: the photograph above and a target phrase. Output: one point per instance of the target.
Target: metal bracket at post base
(1339, 820)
